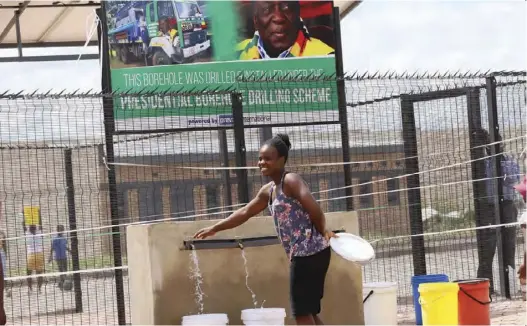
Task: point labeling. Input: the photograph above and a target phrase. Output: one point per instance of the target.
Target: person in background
(35, 254)
(487, 238)
(3, 318)
(59, 246)
(300, 224)
(3, 256)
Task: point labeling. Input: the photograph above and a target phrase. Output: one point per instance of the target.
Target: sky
(376, 36)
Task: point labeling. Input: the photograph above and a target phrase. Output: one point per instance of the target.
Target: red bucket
(474, 302)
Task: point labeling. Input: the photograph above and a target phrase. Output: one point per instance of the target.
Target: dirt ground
(510, 312)
(55, 307)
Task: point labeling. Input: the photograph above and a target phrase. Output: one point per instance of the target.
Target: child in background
(35, 255)
(59, 246)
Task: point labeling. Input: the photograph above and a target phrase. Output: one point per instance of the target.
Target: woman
(301, 227)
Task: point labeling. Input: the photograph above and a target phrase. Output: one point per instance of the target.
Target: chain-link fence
(414, 164)
(449, 182)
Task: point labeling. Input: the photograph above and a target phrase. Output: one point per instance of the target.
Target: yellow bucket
(439, 303)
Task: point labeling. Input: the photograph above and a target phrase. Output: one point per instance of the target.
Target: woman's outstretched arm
(240, 216)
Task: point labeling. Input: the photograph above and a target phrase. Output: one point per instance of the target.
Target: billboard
(195, 46)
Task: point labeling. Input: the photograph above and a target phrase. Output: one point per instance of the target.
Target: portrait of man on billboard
(279, 31)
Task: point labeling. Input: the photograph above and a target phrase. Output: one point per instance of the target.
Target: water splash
(255, 303)
(195, 274)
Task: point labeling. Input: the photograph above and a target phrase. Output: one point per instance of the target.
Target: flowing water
(255, 303)
(195, 274)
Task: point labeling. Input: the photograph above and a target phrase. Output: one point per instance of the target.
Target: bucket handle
(369, 295)
(478, 301)
(424, 303)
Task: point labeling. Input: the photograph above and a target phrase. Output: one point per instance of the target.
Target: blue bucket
(418, 279)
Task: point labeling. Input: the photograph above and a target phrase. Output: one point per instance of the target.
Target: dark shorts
(62, 264)
(308, 275)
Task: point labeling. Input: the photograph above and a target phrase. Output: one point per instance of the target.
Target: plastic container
(380, 303)
(416, 281)
(439, 303)
(264, 316)
(206, 319)
(353, 248)
(474, 302)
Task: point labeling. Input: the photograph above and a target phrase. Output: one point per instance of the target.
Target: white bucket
(380, 303)
(264, 316)
(206, 319)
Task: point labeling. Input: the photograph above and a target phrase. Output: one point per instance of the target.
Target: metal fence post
(240, 150)
(343, 112)
(265, 134)
(413, 184)
(495, 152)
(224, 151)
(479, 188)
(109, 130)
(72, 218)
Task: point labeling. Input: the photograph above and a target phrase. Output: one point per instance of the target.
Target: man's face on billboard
(277, 23)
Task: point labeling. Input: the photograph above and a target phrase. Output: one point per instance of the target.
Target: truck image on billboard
(194, 46)
(156, 32)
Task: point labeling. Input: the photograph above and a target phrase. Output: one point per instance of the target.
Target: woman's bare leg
(317, 319)
(305, 320)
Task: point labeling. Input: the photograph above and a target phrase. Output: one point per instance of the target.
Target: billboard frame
(339, 77)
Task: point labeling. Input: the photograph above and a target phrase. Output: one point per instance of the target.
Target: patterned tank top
(297, 233)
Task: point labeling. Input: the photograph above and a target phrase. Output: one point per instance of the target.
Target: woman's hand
(205, 233)
(330, 234)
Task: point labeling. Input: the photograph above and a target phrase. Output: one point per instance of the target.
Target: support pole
(18, 34)
(343, 112)
(495, 152)
(224, 151)
(239, 143)
(72, 218)
(109, 131)
(413, 184)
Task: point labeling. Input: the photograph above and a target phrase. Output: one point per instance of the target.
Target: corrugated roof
(53, 24)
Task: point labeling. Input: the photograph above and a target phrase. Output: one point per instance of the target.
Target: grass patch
(441, 222)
